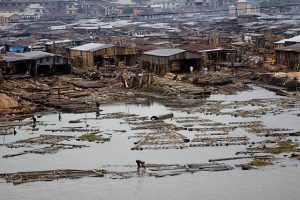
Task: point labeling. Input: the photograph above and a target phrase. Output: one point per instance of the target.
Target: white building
(33, 11)
(172, 4)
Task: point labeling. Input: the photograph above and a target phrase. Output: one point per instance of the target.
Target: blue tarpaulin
(16, 49)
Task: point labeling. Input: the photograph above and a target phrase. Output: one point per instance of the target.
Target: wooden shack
(289, 56)
(208, 53)
(36, 62)
(61, 47)
(162, 61)
(89, 55)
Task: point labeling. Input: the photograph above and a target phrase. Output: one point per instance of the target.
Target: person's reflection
(97, 114)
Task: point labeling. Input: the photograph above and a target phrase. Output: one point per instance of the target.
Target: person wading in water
(140, 164)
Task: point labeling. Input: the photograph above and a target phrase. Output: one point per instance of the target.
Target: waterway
(280, 181)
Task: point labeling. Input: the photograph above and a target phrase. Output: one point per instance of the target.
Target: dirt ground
(290, 74)
(9, 105)
(7, 102)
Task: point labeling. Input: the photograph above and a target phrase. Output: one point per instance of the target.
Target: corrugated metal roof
(164, 52)
(294, 48)
(293, 39)
(92, 47)
(37, 54)
(26, 56)
(58, 41)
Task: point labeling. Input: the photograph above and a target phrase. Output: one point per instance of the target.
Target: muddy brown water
(280, 181)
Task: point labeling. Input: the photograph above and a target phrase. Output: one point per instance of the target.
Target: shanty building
(289, 56)
(208, 53)
(9, 17)
(89, 55)
(36, 62)
(288, 42)
(162, 61)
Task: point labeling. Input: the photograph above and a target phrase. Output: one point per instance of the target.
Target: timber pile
(161, 139)
(179, 87)
(154, 125)
(218, 141)
(73, 129)
(161, 170)
(275, 146)
(197, 120)
(43, 139)
(259, 107)
(199, 81)
(67, 93)
(92, 137)
(53, 142)
(257, 128)
(49, 175)
(220, 128)
(118, 115)
(87, 84)
(54, 148)
(153, 170)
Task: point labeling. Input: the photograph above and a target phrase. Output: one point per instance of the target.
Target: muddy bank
(288, 82)
(9, 105)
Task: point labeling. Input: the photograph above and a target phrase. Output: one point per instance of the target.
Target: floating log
(72, 129)
(162, 117)
(75, 121)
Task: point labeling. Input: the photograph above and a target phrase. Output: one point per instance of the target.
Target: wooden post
(35, 69)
